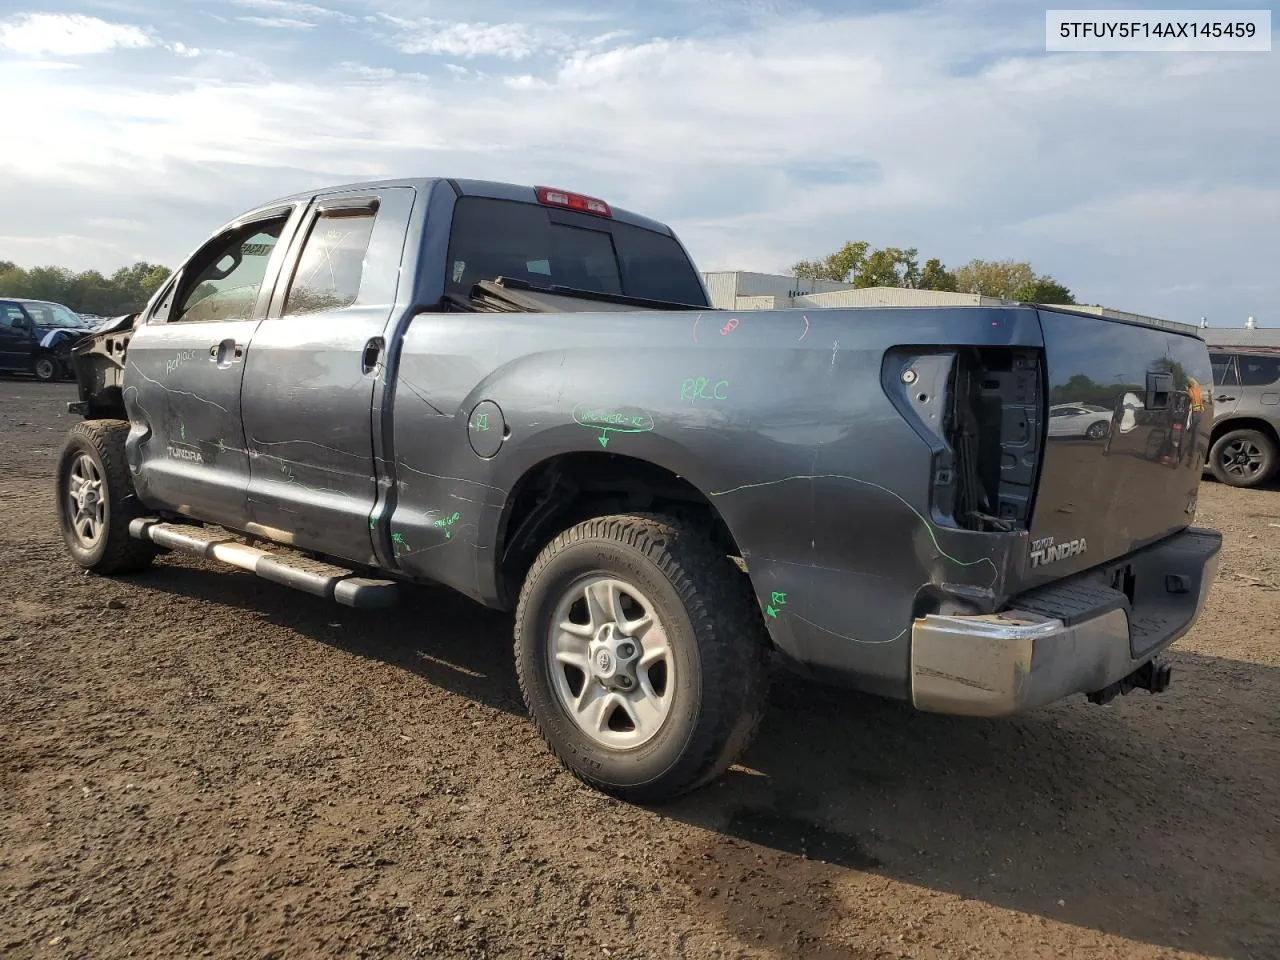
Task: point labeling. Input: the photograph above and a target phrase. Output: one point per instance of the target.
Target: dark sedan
(36, 336)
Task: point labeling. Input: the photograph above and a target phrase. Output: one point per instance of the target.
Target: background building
(739, 290)
(1250, 335)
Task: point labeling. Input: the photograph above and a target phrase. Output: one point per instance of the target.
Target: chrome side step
(302, 573)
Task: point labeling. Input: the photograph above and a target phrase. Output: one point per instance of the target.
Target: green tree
(1012, 280)
(994, 278)
(1043, 289)
(889, 267)
(838, 266)
(125, 291)
(935, 276)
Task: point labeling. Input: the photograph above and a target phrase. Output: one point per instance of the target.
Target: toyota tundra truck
(522, 393)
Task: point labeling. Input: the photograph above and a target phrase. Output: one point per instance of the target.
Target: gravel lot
(194, 762)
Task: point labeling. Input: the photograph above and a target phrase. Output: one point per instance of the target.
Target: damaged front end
(98, 363)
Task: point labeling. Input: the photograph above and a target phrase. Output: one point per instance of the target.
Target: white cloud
(278, 23)
(294, 9)
(69, 35)
(512, 41)
(1122, 176)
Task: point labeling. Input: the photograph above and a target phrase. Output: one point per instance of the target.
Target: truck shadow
(1137, 820)
(1133, 820)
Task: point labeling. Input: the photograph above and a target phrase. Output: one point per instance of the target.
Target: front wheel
(96, 501)
(1097, 430)
(1243, 458)
(46, 367)
(642, 656)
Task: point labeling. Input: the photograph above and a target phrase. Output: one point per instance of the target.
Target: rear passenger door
(1260, 385)
(184, 366)
(311, 372)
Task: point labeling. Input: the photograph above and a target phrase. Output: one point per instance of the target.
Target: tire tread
(733, 645)
(122, 553)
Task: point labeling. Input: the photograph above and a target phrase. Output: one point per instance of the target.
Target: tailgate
(1128, 428)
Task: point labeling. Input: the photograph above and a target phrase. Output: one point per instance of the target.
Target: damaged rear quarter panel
(780, 420)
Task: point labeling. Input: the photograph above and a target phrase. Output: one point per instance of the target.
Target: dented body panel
(870, 466)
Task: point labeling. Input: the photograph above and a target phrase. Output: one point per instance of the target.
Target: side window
(1259, 371)
(332, 262)
(227, 275)
(13, 315)
(1224, 370)
(164, 303)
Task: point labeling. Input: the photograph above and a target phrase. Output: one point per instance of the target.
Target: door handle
(372, 355)
(226, 353)
(1222, 398)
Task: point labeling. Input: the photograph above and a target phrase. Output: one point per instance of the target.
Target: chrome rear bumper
(1020, 659)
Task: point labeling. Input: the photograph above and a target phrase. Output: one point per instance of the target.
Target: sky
(763, 131)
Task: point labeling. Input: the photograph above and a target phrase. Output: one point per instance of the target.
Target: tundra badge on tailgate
(1045, 551)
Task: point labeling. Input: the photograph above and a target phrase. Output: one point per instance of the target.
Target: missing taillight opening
(994, 428)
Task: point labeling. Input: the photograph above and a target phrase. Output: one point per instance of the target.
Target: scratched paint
(171, 390)
(995, 573)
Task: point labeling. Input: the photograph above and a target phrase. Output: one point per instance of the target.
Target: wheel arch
(567, 488)
(1265, 427)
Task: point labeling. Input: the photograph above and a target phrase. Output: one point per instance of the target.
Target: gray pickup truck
(521, 393)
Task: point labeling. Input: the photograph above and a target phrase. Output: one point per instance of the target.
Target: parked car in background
(1079, 420)
(36, 336)
(1244, 450)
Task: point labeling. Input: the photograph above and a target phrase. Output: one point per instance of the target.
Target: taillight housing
(551, 197)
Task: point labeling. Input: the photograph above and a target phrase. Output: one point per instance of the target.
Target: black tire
(1243, 458)
(46, 367)
(715, 635)
(96, 447)
(1097, 430)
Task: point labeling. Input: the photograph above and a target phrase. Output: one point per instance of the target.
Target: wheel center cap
(612, 657)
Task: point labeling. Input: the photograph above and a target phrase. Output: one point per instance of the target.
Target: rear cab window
(547, 247)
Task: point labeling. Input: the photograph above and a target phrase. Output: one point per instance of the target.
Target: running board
(302, 573)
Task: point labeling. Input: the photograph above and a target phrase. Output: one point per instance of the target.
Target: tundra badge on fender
(1045, 550)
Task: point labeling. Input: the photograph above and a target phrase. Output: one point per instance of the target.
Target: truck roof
(494, 189)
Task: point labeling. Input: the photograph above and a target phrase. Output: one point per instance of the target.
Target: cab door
(312, 370)
(15, 337)
(185, 366)
(1226, 385)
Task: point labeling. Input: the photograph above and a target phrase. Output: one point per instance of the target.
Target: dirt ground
(194, 762)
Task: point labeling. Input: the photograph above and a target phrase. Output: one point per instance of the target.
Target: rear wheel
(1243, 458)
(96, 500)
(46, 367)
(642, 656)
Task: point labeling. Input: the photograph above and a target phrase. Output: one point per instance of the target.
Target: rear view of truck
(1111, 572)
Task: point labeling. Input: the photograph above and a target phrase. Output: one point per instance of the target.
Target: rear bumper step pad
(317, 578)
